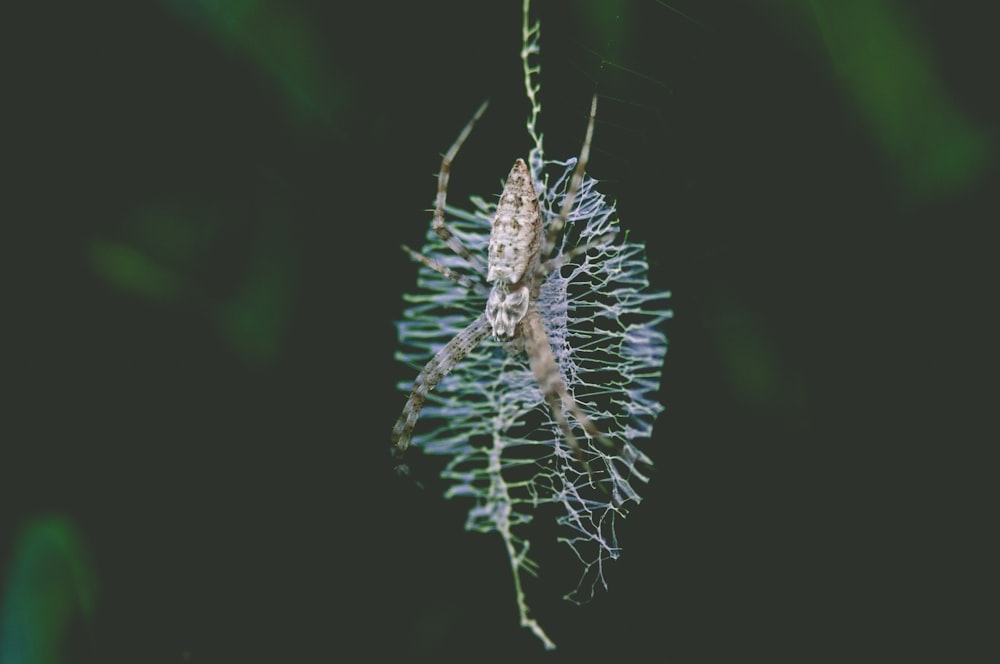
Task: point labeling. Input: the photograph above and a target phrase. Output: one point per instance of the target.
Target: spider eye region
(505, 308)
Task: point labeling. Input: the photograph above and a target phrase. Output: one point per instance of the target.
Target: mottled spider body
(515, 243)
(517, 265)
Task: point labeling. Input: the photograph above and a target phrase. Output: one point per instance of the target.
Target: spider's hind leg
(555, 228)
(556, 262)
(447, 272)
(438, 223)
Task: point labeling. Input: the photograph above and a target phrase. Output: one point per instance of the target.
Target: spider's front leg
(550, 382)
(439, 367)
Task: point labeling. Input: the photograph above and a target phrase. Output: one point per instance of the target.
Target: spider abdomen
(517, 229)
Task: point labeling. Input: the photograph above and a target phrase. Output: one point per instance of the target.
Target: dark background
(206, 204)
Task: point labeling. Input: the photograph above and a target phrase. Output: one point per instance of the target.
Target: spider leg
(555, 228)
(555, 263)
(442, 193)
(438, 367)
(447, 272)
(557, 396)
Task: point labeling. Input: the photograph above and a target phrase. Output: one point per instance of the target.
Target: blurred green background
(204, 206)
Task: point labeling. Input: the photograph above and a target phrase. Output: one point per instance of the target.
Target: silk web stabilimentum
(510, 452)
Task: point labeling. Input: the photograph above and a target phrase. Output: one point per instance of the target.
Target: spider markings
(518, 265)
(515, 241)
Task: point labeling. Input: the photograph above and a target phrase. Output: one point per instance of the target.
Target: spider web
(489, 415)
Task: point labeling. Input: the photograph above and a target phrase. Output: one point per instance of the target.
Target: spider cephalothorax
(517, 265)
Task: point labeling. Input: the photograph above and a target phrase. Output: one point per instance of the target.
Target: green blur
(891, 77)
(50, 587)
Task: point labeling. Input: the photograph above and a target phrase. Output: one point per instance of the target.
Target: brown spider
(519, 260)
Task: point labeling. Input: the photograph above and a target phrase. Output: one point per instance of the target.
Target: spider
(520, 258)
